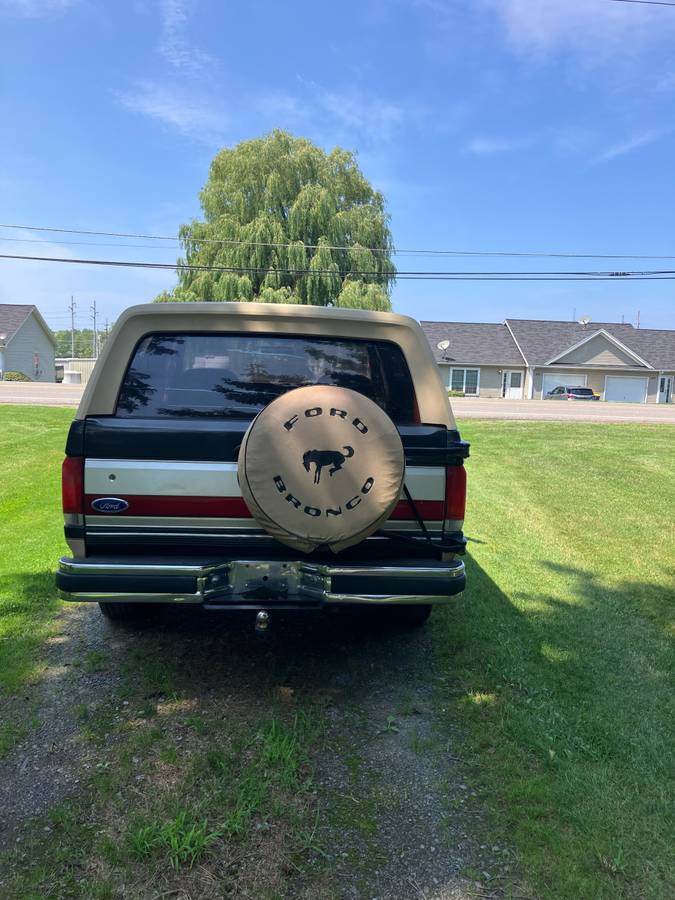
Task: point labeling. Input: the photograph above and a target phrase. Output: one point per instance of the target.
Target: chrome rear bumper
(236, 584)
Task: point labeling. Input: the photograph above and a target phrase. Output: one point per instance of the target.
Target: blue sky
(542, 125)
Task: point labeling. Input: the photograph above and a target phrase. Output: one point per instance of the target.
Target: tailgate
(173, 486)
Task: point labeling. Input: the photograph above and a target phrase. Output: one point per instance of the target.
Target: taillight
(455, 493)
(72, 484)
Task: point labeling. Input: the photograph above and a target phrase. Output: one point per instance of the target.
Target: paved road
(465, 408)
(36, 393)
(560, 411)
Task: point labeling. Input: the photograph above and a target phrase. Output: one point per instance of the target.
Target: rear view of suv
(258, 456)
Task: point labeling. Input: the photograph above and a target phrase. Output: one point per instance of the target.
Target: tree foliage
(275, 210)
(84, 342)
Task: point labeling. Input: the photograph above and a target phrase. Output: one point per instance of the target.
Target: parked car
(264, 457)
(571, 392)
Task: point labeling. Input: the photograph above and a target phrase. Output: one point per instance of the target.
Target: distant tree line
(84, 342)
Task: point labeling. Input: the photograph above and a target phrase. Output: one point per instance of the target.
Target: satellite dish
(584, 320)
(443, 345)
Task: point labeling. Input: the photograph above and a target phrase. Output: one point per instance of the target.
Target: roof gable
(599, 348)
(13, 316)
(542, 341)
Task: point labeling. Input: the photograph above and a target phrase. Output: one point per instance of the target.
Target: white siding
(29, 340)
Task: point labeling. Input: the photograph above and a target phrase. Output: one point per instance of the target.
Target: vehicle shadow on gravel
(309, 650)
(391, 812)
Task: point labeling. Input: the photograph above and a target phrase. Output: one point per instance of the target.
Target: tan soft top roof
(100, 395)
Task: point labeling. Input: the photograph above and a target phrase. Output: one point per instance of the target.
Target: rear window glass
(584, 392)
(235, 376)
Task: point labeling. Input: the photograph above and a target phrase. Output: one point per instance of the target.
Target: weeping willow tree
(285, 222)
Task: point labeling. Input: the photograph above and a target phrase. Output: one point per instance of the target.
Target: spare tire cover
(321, 465)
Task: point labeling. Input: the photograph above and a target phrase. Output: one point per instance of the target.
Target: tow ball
(262, 622)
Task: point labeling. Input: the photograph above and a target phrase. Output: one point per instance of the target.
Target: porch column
(530, 391)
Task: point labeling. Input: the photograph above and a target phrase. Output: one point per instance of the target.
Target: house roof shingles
(473, 342)
(12, 317)
(540, 341)
(655, 346)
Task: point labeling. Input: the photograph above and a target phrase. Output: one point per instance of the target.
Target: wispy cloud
(492, 146)
(633, 143)
(177, 107)
(174, 45)
(367, 114)
(182, 103)
(600, 26)
(281, 104)
(35, 9)
(360, 114)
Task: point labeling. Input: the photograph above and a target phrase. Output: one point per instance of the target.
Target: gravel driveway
(396, 814)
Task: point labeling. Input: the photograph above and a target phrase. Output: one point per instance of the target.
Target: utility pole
(638, 319)
(95, 341)
(72, 308)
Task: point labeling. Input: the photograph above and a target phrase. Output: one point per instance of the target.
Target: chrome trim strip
(128, 477)
(158, 533)
(157, 522)
(385, 599)
(75, 567)
(391, 571)
(225, 526)
(185, 599)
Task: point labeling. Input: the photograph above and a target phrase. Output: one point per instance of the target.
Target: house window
(465, 380)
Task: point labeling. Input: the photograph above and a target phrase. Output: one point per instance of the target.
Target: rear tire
(413, 616)
(130, 612)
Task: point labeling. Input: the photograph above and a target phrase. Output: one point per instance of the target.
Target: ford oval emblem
(109, 505)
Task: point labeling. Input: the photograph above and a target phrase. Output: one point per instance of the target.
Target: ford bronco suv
(264, 457)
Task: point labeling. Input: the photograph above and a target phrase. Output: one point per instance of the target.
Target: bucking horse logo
(321, 458)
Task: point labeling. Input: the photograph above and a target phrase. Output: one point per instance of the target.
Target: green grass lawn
(558, 658)
(560, 652)
(31, 533)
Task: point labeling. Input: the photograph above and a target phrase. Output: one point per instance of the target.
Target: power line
(647, 2)
(88, 243)
(664, 274)
(394, 251)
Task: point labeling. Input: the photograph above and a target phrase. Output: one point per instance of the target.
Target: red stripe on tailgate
(156, 505)
(234, 507)
(429, 510)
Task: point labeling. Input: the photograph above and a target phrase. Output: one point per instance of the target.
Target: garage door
(552, 381)
(626, 390)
